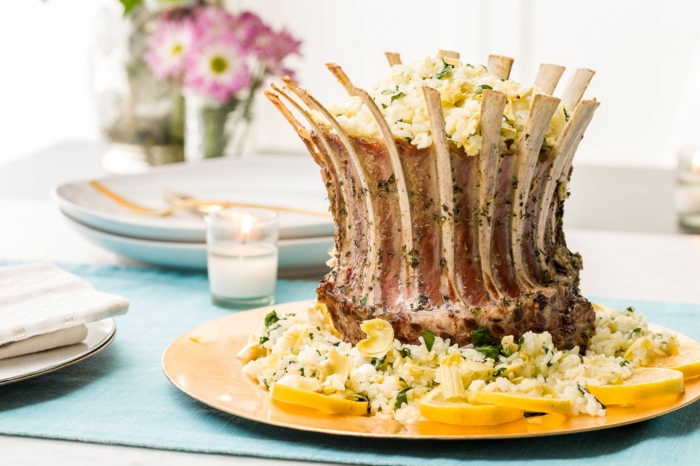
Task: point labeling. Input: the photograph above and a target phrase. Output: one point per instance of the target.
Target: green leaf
(401, 398)
(489, 351)
(429, 338)
(499, 372)
(405, 352)
(630, 309)
(263, 340)
(397, 96)
(482, 337)
(486, 86)
(624, 363)
(405, 384)
(485, 343)
(129, 5)
(271, 318)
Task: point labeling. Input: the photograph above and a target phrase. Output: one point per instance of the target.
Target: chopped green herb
(482, 337)
(499, 372)
(384, 105)
(630, 309)
(339, 114)
(429, 338)
(271, 318)
(359, 397)
(302, 372)
(405, 384)
(311, 336)
(336, 343)
(503, 79)
(484, 343)
(637, 330)
(397, 96)
(586, 392)
(566, 115)
(363, 301)
(624, 363)
(480, 88)
(267, 385)
(401, 398)
(405, 352)
(444, 71)
(377, 362)
(520, 342)
(263, 340)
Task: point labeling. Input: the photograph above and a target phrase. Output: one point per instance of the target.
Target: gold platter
(203, 364)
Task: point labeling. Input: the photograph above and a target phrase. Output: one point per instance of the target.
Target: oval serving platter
(203, 364)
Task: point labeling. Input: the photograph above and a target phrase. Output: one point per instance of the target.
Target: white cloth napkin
(40, 299)
(47, 341)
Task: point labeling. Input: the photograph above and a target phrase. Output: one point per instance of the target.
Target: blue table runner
(121, 396)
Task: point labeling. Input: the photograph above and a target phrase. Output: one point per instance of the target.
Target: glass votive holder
(242, 257)
(688, 187)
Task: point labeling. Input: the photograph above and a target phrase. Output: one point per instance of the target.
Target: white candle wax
(243, 271)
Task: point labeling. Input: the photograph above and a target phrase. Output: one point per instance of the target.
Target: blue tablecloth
(122, 397)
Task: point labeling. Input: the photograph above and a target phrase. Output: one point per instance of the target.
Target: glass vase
(137, 113)
(214, 129)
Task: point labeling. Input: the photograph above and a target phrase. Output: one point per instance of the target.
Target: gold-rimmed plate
(203, 364)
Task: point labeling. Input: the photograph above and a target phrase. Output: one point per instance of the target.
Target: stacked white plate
(179, 241)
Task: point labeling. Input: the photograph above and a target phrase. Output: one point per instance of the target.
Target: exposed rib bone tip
(500, 65)
(393, 58)
(548, 77)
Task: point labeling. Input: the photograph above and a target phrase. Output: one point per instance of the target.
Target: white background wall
(646, 54)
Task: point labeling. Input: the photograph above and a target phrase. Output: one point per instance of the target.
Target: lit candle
(242, 256)
(688, 189)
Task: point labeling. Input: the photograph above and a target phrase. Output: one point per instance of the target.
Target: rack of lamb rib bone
(435, 239)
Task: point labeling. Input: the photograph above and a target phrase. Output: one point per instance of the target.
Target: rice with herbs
(294, 350)
(400, 98)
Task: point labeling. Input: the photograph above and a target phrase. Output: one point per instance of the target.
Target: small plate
(200, 363)
(100, 335)
(297, 257)
(287, 181)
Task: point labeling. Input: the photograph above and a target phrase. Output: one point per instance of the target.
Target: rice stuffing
(303, 350)
(400, 99)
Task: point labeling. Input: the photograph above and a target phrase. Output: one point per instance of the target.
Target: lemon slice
(687, 360)
(330, 404)
(643, 384)
(537, 404)
(434, 408)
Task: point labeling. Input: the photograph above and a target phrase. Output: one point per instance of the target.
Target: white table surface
(648, 266)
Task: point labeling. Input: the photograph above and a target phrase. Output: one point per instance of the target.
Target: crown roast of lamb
(447, 184)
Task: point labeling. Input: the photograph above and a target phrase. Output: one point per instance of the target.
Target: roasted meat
(434, 239)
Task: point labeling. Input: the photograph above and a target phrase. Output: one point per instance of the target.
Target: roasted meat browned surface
(435, 239)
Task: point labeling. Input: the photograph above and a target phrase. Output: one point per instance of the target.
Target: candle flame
(695, 163)
(246, 226)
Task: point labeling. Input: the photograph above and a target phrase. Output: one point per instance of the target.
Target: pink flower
(213, 21)
(216, 67)
(168, 48)
(250, 29)
(278, 46)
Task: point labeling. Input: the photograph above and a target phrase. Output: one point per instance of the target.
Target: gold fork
(190, 203)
